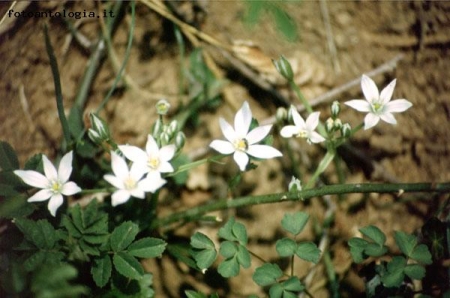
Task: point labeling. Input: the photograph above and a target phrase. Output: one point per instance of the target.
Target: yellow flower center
(129, 183)
(241, 144)
(153, 162)
(377, 107)
(302, 134)
(56, 187)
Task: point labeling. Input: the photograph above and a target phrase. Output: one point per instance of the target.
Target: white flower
(128, 182)
(54, 184)
(378, 106)
(303, 129)
(241, 142)
(154, 160)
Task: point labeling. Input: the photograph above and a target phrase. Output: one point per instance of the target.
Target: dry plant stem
(330, 40)
(222, 204)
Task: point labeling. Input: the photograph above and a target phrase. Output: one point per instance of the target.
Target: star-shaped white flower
(54, 184)
(378, 106)
(303, 129)
(153, 160)
(128, 182)
(241, 142)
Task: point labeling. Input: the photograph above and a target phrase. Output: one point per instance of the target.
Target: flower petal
(263, 151)
(397, 106)
(65, 167)
(241, 159)
(151, 184)
(227, 130)
(370, 120)
(114, 181)
(289, 131)
(70, 188)
(151, 147)
(298, 120)
(359, 105)
(134, 153)
(386, 93)
(42, 195)
(388, 117)
(312, 121)
(167, 152)
(165, 167)
(119, 166)
(242, 121)
(49, 169)
(223, 147)
(137, 193)
(33, 178)
(369, 89)
(55, 201)
(315, 137)
(137, 171)
(119, 197)
(258, 134)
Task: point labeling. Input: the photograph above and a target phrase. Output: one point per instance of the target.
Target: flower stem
(222, 204)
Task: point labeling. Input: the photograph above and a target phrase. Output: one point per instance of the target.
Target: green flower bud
(94, 136)
(173, 127)
(295, 185)
(157, 128)
(329, 124)
(335, 109)
(346, 130)
(284, 68)
(180, 140)
(337, 123)
(162, 107)
(99, 129)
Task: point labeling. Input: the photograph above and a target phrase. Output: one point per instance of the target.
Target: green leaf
(182, 252)
(75, 120)
(229, 268)
(88, 248)
(15, 207)
(394, 275)
(240, 233)
(286, 247)
(415, 271)
(374, 233)
(357, 246)
(285, 24)
(8, 157)
(293, 284)
(375, 250)
(96, 239)
(181, 177)
(267, 274)
(408, 245)
(228, 249)
(147, 248)
(243, 256)
(77, 217)
(201, 241)
(308, 251)
(34, 260)
(295, 223)
(35, 163)
(101, 270)
(225, 232)
(70, 227)
(193, 294)
(41, 233)
(123, 235)
(127, 265)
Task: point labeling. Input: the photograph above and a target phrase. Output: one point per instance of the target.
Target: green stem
(222, 204)
(326, 160)
(58, 91)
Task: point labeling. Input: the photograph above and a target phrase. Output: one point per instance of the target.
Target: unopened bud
(281, 115)
(295, 185)
(173, 127)
(346, 130)
(99, 130)
(284, 68)
(337, 123)
(180, 140)
(157, 128)
(165, 138)
(335, 109)
(162, 107)
(329, 124)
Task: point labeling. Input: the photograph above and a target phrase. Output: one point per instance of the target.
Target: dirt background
(366, 34)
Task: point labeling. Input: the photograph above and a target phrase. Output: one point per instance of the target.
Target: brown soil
(366, 35)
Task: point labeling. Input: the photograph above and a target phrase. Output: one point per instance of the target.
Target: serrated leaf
(8, 157)
(357, 246)
(286, 247)
(201, 241)
(405, 242)
(15, 207)
(374, 233)
(293, 284)
(415, 271)
(70, 227)
(41, 233)
(147, 248)
(375, 250)
(240, 232)
(98, 227)
(101, 270)
(90, 213)
(228, 249)
(204, 258)
(123, 235)
(243, 256)
(182, 252)
(267, 274)
(34, 260)
(295, 223)
(88, 248)
(77, 217)
(225, 232)
(127, 265)
(96, 239)
(276, 291)
(394, 275)
(422, 254)
(308, 251)
(229, 268)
